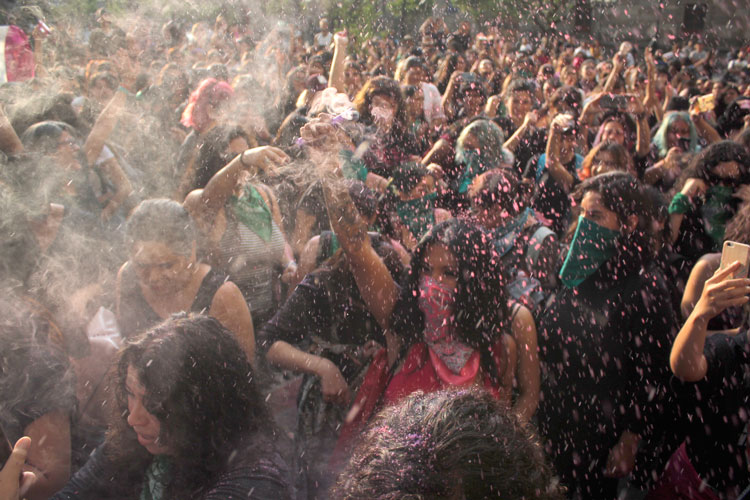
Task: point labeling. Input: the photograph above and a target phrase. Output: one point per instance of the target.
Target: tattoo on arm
(346, 222)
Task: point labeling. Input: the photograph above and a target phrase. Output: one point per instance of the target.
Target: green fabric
(716, 213)
(491, 153)
(592, 246)
(474, 165)
(489, 136)
(418, 214)
(252, 211)
(158, 476)
(505, 236)
(680, 204)
(353, 168)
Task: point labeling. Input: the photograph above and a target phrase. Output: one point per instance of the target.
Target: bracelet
(680, 204)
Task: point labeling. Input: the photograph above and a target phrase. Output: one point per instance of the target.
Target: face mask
(506, 235)
(716, 212)
(722, 194)
(524, 73)
(437, 302)
(382, 114)
(592, 246)
(474, 165)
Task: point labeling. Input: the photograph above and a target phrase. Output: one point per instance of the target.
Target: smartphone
(610, 101)
(733, 252)
(5, 448)
(705, 103)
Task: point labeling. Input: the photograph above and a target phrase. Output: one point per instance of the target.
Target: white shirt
(322, 40)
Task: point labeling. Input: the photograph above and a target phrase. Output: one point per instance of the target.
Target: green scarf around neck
(158, 477)
(252, 211)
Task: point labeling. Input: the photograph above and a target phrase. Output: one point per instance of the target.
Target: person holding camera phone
(707, 199)
(712, 370)
(675, 140)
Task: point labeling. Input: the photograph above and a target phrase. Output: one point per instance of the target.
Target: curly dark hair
(200, 386)
(384, 86)
(481, 307)
(448, 444)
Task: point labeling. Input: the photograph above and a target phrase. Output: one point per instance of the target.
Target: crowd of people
(466, 262)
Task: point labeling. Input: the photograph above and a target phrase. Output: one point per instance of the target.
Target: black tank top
(137, 316)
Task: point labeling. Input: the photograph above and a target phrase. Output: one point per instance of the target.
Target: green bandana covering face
(506, 235)
(252, 211)
(158, 476)
(474, 165)
(418, 214)
(592, 246)
(490, 139)
(716, 212)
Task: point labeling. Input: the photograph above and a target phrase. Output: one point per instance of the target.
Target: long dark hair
(200, 386)
(481, 310)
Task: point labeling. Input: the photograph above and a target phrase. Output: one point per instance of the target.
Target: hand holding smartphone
(736, 252)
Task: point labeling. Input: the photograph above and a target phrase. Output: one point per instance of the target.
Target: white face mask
(382, 114)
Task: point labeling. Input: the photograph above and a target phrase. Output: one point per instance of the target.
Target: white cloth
(433, 102)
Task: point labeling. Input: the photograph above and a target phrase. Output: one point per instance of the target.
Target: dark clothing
(326, 316)
(36, 380)
(550, 199)
(137, 316)
(702, 227)
(605, 348)
(385, 153)
(533, 143)
(324, 309)
(717, 407)
(259, 479)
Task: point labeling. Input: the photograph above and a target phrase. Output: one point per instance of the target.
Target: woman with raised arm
(708, 198)
(447, 322)
(241, 225)
(712, 367)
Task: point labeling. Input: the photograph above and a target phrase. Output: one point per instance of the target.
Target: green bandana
(252, 211)
(592, 246)
(158, 476)
(716, 212)
(418, 214)
(474, 165)
(505, 236)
